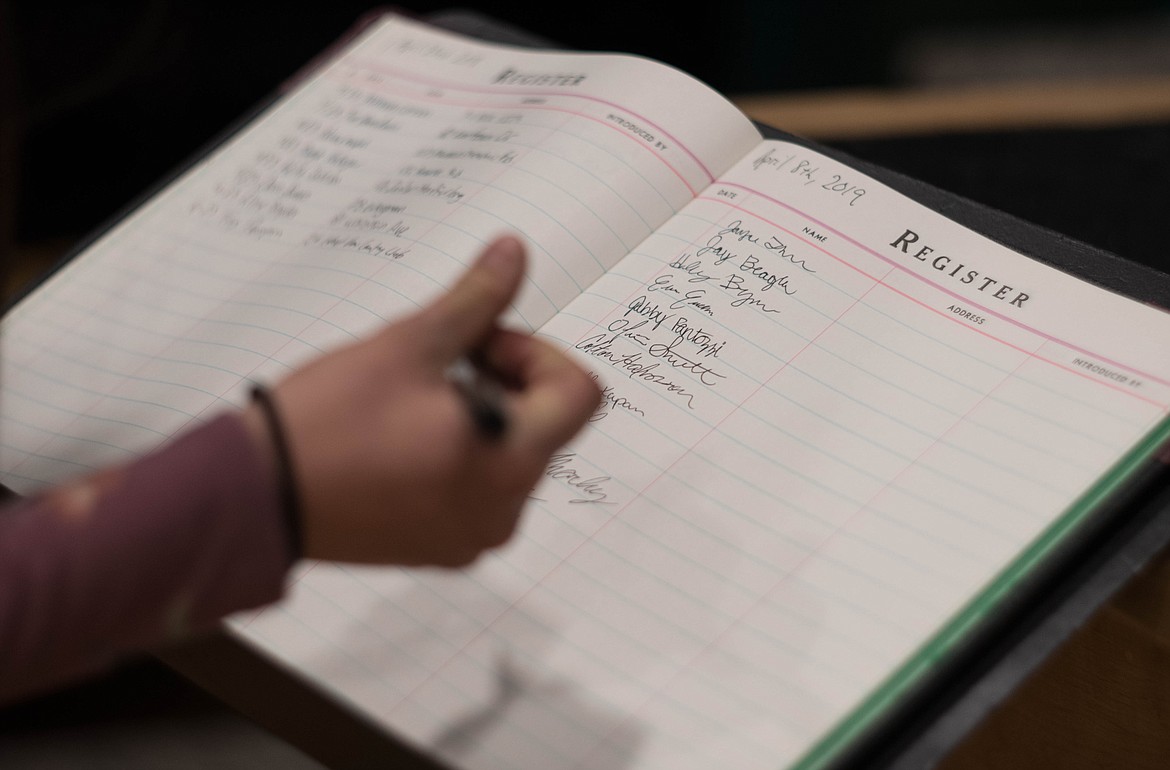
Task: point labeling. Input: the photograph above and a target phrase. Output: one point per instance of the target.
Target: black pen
(483, 394)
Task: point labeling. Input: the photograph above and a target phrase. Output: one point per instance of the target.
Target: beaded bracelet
(285, 477)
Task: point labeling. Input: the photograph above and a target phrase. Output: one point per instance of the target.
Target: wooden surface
(1102, 701)
(870, 113)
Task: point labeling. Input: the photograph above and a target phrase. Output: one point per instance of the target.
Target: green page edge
(921, 662)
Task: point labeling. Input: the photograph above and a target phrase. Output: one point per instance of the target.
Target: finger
(555, 396)
(460, 319)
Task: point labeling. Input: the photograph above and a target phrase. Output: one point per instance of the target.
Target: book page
(355, 198)
(831, 419)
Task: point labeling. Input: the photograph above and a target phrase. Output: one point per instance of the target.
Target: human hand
(387, 461)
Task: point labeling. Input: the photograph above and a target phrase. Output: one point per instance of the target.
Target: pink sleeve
(137, 555)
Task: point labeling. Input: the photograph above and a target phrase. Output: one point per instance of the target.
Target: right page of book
(832, 419)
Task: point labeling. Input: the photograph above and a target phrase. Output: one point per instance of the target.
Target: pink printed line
(374, 65)
(739, 619)
(436, 83)
(849, 525)
(548, 108)
(902, 268)
(624, 134)
(448, 102)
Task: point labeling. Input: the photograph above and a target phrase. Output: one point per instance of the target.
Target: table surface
(874, 112)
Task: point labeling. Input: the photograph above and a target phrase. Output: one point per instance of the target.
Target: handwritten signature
(560, 468)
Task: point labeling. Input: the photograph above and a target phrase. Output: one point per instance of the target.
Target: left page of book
(354, 198)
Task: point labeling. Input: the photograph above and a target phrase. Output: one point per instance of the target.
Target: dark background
(103, 99)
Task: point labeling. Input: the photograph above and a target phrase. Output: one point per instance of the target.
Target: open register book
(837, 426)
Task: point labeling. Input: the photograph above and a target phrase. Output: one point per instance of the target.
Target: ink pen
(483, 395)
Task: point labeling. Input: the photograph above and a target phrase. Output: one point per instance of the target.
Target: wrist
(263, 422)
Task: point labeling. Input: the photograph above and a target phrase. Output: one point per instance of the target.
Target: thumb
(466, 313)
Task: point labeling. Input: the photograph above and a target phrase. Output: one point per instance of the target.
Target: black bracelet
(285, 477)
